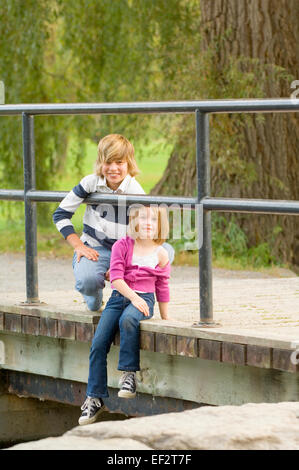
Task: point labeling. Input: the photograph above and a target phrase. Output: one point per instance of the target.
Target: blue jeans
(118, 313)
(90, 275)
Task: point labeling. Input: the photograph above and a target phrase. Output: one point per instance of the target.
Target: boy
(115, 171)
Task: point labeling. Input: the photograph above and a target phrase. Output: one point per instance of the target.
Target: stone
(262, 426)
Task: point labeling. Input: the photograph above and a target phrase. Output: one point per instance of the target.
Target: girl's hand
(107, 275)
(86, 251)
(141, 304)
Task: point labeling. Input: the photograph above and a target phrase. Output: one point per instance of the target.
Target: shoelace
(90, 403)
(129, 379)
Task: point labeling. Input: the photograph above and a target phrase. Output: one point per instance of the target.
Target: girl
(139, 268)
(115, 172)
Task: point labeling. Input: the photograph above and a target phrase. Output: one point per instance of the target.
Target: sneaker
(92, 408)
(128, 385)
(95, 311)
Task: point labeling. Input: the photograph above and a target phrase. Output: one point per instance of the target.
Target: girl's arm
(136, 300)
(163, 307)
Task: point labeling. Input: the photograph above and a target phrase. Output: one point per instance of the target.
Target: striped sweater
(103, 224)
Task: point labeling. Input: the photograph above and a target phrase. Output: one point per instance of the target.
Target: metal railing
(201, 110)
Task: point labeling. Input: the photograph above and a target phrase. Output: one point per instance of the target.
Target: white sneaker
(128, 385)
(92, 408)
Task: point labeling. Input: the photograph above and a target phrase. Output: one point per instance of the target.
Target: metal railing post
(30, 210)
(203, 190)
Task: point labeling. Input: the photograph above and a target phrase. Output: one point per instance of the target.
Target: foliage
(129, 50)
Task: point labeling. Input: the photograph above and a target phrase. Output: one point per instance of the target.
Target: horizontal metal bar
(257, 206)
(113, 198)
(57, 196)
(12, 194)
(205, 106)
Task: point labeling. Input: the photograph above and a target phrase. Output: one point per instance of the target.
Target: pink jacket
(139, 278)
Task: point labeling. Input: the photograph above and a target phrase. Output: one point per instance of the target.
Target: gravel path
(247, 300)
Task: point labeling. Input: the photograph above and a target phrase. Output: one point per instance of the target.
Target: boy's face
(115, 172)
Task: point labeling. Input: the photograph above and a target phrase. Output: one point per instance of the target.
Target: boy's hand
(86, 251)
(141, 304)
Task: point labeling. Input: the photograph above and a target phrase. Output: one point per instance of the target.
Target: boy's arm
(63, 214)
(81, 249)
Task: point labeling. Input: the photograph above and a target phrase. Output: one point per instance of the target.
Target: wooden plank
(116, 341)
(48, 327)
(166, 344)
(259, 356)
(186, 346)
(210, 350)
(51, 312)
(30, 325)
(234, 353)
(282, 360)
(147, 341)
(84, 331)
(66, 329)
(13, 322)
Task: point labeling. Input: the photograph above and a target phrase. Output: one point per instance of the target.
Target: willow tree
(33, 69)
(251, 49)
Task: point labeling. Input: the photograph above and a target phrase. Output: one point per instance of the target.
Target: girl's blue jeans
(121, 314)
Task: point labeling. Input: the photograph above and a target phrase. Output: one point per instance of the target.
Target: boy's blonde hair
(163, 224)
(115, 147)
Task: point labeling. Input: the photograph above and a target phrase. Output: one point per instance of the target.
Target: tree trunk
(267, 31)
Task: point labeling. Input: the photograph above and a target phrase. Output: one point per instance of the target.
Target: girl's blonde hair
(115, 147)
(163, 224)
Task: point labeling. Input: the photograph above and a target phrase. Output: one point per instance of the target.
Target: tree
(255, 42)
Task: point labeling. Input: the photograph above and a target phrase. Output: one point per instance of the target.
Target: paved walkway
(245, 302)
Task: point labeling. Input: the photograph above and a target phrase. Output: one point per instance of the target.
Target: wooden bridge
(44, 352)
(44, 348)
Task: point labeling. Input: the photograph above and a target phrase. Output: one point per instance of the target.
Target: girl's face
(115, 172)
(147, 223)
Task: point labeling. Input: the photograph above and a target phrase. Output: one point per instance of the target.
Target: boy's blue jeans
(118, 313)
(90, 276)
